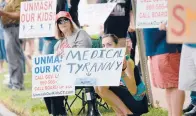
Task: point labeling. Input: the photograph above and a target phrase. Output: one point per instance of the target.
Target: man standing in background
(120, 14)
(10, 16)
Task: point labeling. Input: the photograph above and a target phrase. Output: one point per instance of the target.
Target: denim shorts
(2, 50)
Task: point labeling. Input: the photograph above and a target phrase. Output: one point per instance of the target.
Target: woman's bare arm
(130, 77)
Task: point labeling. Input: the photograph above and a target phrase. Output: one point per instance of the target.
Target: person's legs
(191, 109)
(168, 100)
(48, 104)
(15, 57)
(113, 100)
(137, 107)
(116, 109)
(193, 98)
(91, 101)
(1, 66)
(165, 74)
(57, 106)
(41, 44)
(2, 53)
(48, 47)
(177, 101)
(177, 96)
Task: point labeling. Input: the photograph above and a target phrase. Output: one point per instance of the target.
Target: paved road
(5, 112)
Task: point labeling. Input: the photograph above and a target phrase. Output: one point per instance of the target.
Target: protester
(2, 50)
(41, 43)
(129, 99)
(119, 20)
(10, 16)
(70, 36)
(191, 109)
(55, 105)
(29, 51)
(164, 64)
(187, 82)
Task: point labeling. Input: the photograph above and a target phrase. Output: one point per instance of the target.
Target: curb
(5, 112)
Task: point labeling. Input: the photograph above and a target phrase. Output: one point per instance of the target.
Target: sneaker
(15, 88)
(191, 113)
(189, 108)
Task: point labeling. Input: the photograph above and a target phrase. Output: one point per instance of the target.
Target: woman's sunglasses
(62, 21)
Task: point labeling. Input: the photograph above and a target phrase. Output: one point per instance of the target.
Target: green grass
(21, 102)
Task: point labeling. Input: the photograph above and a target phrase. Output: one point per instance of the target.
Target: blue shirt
(155, 42)
(191, 45)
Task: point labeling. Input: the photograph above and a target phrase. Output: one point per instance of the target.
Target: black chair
(80, 94)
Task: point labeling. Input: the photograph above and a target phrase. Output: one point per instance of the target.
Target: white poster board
(37, 19)
(92, 67)
(95, 14)
(45, 73)
(151, 13)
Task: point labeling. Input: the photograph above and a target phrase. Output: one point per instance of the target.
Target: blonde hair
(60, 35)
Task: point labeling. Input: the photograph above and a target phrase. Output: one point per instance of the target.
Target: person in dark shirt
(119, 20)
(62, 5)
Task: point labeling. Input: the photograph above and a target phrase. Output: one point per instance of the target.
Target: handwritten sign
(182, 21)
(45, 75)
(150, 13)
(37, 19)
(92, 67)
(95, 14)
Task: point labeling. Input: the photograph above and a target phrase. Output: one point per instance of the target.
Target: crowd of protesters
(167, 63)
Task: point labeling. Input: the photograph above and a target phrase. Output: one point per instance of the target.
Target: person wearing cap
(10, 16)
(71, 6)
(70, 36)
(55, 105)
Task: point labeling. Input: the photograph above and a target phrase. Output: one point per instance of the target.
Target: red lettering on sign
(174, 31)
(38, 5)
(28, 17)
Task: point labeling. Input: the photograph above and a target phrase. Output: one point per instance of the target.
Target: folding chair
(81, 95)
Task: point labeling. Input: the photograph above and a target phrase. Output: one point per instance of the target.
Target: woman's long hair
(59, 34)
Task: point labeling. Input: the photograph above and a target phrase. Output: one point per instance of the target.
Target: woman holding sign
(70, 36)
(164, 66)
(130, 97)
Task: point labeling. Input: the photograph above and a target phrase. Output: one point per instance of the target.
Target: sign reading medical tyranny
(37, 19)
(151, 13)
(92, 67)
(45, 73)
(182, 21)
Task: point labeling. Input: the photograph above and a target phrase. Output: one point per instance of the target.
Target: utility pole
(142, 55)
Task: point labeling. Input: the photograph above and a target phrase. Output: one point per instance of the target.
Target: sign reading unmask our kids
(37, 19)
(45, 75)
(92, 67)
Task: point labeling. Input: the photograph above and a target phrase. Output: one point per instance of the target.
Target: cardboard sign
(37, 19)
(45, 75)
(182, 21)
(95, 14)
(92, 67)
(151, 13)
